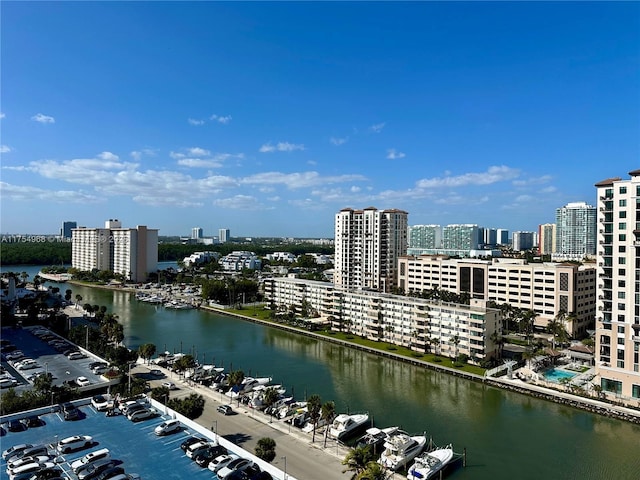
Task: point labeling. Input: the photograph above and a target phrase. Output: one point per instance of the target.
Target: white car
(90, 458)
(25, 471)
(10, 452)
(102, 402)
(76, 442)
(28, 365)
(221, 461)
(165, 428)
(237, 464)
(83, 381)
(75, 356)
(142, 414)
(26, 460)
(169, 385)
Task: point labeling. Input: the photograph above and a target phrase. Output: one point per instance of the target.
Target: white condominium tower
(131, 252)
(368, 244)
(575, 231)
(618, 287)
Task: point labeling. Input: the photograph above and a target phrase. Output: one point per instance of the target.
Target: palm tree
(314, 407)
(270, 397)
(455, 341)
(498, 340)
(373, 471)
(356, 460)
(266, 449)
(78, 300)
(436, 344)
(327, 414)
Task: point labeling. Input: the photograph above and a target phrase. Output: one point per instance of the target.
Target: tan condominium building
(546, 288)
(422, 325)
(618, 287)
(130, 252)
(368, 244)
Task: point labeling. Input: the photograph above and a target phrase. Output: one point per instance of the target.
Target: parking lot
(47, 352)
(134, 445)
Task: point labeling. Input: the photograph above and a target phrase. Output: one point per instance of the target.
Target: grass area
(265, 315)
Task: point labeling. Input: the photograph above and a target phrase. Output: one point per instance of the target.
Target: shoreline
(588, 404)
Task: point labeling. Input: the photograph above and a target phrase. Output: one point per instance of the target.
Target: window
(622, 237)
(622, 249)
(622, 226)
(621, 295)
(622, 272)
(608, 385)
(623, 202)
(623, 190)
(635, 391)
(621, 329)
(622, 260)
(622, 283)
(623, 214)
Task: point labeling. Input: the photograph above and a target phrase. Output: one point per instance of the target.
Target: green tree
(266, 449)
(356, 460)
(372, 471)
(327, 414)
(78, 300)
(455, 341)
(184, 363)
(236, 377)
(314, 408)
(270, 397)
(191, 407)
(146, 351)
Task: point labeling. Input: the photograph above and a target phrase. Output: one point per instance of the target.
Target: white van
(167, 427)
(90, 458)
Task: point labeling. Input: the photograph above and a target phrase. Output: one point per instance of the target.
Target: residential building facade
(368, 244)
(547, 239)
(196, 233)
(460, 237)
(224, 235)
(425, 236)
(618, 286)
(239, 260)
(130, 252)
(421, 325)
(522, 241)
(65, 231)
(575, 231)
(546, 288)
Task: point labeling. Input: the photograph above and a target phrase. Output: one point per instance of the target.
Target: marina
(498, 428)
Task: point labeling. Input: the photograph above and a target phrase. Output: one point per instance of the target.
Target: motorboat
(247, 385)
(400, 448)
(375, 437)
(429, 464)
(346, 424)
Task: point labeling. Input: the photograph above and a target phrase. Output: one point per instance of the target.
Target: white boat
(248, 384)
(400, 449)
(345, 424)
(375, 437)
(429, 464)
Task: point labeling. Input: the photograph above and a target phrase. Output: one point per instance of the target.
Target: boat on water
(55, 277)
(247, 385)
(375, 437)
(400, 448)
(429, 464)
(346, 425)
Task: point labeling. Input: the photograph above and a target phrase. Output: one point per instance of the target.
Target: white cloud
(338, 141)
(203, 158)
(392, 154)
(549, 189)
(533, 181)
(2, 115)
(198, 152)
(24, 193)
(138, 154)
(39, 117)
(355, 189)
(239, 202)
(281, 147)
(377, 128)
(195, 121)
(5, 148)
(199, 163)
(524, 198)
(108, 156)
(224, 119)
(493, 174)
(297, 180)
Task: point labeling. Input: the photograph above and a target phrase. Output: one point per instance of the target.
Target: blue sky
(268, 118)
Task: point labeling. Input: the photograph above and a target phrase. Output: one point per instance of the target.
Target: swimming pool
(555, 375)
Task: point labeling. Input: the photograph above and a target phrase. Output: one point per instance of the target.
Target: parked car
(225, 409)
(16, 355)
(169, 385)
(252, 472)
(156, 373)
(92, 470)
(90, 458)
(205, 457)
(110, 472)
(70, 411)
(8, 382)
(28, 365)
(26, 460)
(10, 452)
(168, 427)
(32, 451)
(139, 415)
(33, 421)
(75, 355)
(83, 381)
(77, 442)
(234, 465)
(190, 441)
(196, 448)
(221, 461)
(48, 473)
(16, 426)
(101, 402)
(25, 471)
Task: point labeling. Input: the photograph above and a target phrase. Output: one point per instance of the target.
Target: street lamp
(214, 427)
(129, 387)
(285, 467)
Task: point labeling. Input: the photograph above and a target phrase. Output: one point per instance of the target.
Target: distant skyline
(268, 118)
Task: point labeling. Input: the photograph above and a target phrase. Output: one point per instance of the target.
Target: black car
(190, 441)
(92, 470)
(16, 426)
(33, 421)
(47, 474)
(252, 472)
(203, 458)
(225, 409)
(70, 411)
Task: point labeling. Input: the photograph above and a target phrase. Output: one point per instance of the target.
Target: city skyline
(267, 119)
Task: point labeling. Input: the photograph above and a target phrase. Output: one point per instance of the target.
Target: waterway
(507, 435)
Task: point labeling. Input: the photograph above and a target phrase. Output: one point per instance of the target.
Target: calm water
(507, 436)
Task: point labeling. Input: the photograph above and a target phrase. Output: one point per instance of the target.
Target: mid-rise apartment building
(460, 237)
(130, 252)
(421, 325)
(618, 286)
(368, 244)
(547, 239)
(425, 236)
(546, 288)
(575, 231)
(522, 241)
(224, 235)
(197, 233)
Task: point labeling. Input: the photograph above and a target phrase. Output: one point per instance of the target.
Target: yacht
(345, 425)
(375, 437)
(400, 449)
(429, 464)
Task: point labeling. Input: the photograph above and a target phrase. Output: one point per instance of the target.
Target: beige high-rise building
(368, 244)
(547, 239)
(618, 287)
(131, 252)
